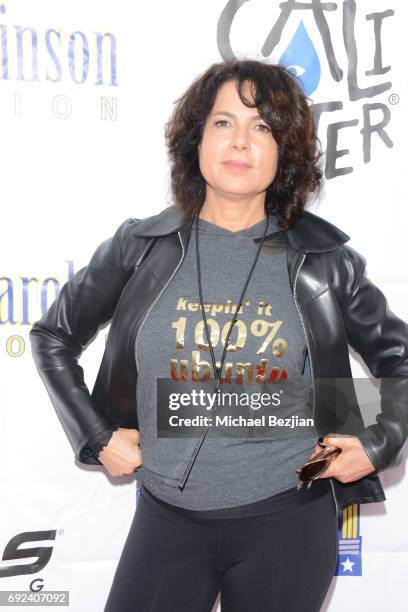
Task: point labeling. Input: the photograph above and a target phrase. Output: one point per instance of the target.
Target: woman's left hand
(351, 464)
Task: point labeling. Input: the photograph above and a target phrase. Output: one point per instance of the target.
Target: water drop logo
(302, 60)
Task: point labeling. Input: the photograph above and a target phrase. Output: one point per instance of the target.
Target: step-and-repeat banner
(86, 89)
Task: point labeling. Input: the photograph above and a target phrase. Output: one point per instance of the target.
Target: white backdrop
(82, 149)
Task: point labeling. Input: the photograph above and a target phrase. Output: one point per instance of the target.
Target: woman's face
(234, 131)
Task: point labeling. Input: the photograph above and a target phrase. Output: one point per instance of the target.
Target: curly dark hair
(281, 103)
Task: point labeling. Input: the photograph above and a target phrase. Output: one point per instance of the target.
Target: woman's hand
(122, 454)
(351, 464)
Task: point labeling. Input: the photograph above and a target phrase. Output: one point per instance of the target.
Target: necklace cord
(218, 371)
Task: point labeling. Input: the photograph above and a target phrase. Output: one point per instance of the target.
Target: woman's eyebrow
(229, 114)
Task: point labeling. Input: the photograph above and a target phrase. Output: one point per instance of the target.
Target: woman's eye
(262, 125)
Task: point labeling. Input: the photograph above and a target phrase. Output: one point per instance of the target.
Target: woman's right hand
(122, 455)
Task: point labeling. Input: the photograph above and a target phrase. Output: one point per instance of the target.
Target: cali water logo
(302, 59)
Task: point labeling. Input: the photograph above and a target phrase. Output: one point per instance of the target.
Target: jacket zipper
(310, 360)
(138, 327)
(133, 346)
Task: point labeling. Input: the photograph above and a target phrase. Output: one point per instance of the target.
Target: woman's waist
(282, 501)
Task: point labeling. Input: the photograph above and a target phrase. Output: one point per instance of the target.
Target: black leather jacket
(338, 306)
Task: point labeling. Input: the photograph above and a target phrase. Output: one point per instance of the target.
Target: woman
(236, 265)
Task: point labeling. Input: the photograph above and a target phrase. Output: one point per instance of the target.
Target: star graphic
(347, 565)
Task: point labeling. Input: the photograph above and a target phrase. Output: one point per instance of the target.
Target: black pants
(271, 563)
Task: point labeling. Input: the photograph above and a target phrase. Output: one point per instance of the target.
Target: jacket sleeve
(381, 338)
(85, 303)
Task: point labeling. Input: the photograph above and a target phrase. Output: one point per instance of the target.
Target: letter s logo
(12, 552)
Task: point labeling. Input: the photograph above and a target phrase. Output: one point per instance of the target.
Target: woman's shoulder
(313, 234)
(346, 267)
(134, 235)
(168, 220)
(327, 243)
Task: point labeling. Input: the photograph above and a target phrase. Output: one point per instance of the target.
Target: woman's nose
(240, 138)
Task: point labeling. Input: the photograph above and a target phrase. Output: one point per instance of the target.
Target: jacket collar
(310, 234)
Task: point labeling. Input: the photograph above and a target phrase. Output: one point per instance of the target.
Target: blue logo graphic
(302, 60)
(349, 558)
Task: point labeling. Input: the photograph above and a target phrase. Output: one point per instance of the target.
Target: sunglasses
(315, 467)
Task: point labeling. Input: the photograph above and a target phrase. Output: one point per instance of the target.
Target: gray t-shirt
(267, 349)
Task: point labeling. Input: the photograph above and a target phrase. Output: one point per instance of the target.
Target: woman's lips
(234, 165)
